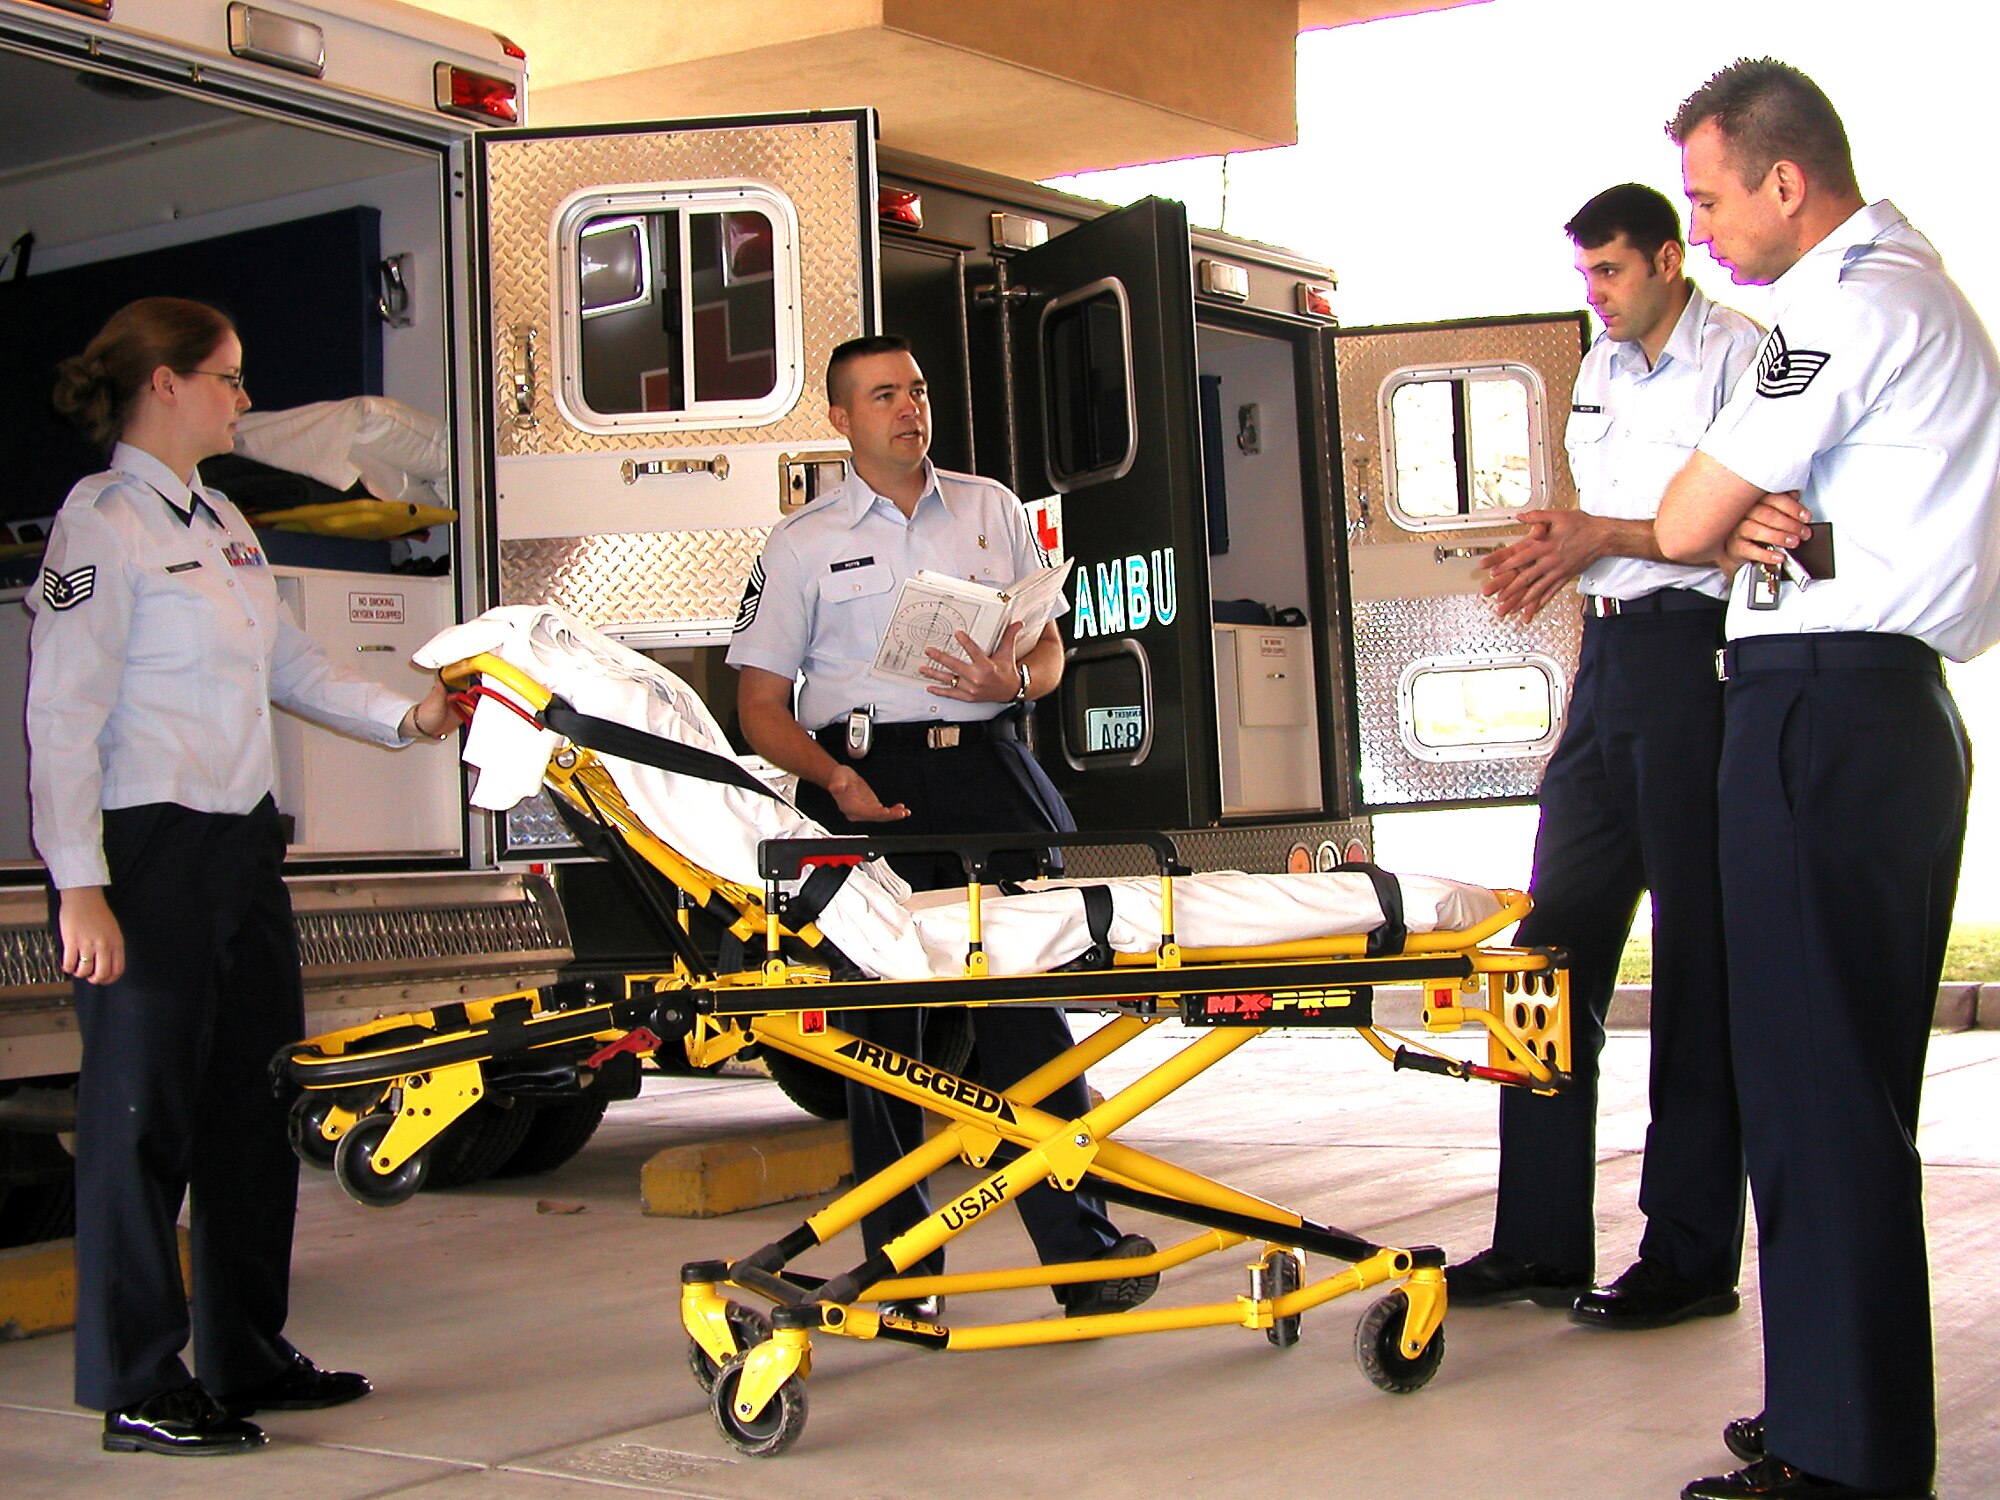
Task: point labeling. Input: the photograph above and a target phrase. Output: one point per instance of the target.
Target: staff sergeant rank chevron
(919, 1075)
(67, 590)
(1783, 370)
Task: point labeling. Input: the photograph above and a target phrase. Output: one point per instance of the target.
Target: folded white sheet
(396, 451)
(874, 918)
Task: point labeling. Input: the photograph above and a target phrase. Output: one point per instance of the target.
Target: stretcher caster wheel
(1377, 1348)
(356, 1172)
(772, 1430)
(1283, 1277)
(750, 1327)
(302, 1129)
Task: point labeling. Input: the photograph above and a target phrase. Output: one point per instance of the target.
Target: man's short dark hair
(853, 349)
(1768, 112)
(1644, 215)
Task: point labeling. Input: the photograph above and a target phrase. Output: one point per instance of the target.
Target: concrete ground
(525, 1345)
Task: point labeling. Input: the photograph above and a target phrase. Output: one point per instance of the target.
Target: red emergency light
(463, 92)
(1315, 299)
(511, 47)
(900, 206)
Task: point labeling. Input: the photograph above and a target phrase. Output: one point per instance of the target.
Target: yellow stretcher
(374, 1096)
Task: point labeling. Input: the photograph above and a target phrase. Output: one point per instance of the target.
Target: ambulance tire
(949, 1040)
(557, 1130)
(43, 1208)
(475, 1145)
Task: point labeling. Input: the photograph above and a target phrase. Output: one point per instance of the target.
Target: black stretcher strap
(1097, 913)
(1390, 937)
(611, 738)
(804, 905)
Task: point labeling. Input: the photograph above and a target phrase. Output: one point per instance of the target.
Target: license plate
(1113, 729)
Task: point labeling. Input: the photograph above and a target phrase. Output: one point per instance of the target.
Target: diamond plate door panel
(1453, 705)
(819, 166)
(634, 522)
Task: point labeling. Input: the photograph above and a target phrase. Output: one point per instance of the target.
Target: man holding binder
(939, 752)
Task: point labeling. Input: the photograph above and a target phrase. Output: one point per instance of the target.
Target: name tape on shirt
(1783, 370)
(184, 567)
(753, 594)
(848, 563)
(1585, 411)
(68, 590)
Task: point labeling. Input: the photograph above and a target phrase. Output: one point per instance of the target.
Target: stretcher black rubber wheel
(750, 1327)
(772, 1430)
(558, 1130)
(1377, 1348)
(1282, 1276)
(357, 1175)
(302, 1129)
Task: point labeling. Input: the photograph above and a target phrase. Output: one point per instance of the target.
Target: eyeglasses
(234, 382)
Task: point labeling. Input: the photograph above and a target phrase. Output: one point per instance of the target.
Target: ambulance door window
(682, 309)
(1462, 445)
(1460, 708)
(1088, 411)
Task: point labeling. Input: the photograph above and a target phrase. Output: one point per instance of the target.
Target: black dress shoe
(300, 1386)
(1774, 1479)
(1648, 1295)
(1120, 1294)
(914, 1309)
(185, 1421)
(1493, 1277)
(1745, 1438)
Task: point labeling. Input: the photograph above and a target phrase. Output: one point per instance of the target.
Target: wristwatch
(1021, 693)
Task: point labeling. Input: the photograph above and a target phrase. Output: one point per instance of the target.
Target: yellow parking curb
(706, 1178)
(38, 1287)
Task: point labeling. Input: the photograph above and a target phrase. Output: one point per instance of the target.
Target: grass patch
(1971, 957)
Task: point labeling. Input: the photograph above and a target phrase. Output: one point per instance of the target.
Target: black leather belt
(1828, 651)
(1600, 607)
(950, 735)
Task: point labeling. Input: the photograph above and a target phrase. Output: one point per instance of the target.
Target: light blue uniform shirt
(157, 650)
(1874, 396)
(820, 598)
(1631, 429)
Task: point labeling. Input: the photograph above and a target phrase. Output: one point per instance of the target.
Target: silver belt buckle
(1722, 665)
(942, 736)
(1600, 606)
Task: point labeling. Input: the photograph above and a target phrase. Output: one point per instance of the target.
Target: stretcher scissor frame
(381, 1092)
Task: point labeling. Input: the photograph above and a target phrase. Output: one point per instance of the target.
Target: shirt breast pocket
(847, 585)
(1585, 439)
(1586, 428)
(171, 614)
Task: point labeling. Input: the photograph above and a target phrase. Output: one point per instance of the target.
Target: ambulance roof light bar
(460, 91)
(97, 10)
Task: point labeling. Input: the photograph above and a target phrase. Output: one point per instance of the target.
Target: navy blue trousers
(967, 790)
(1843, 815)
(1629, 806)
(173, 1100)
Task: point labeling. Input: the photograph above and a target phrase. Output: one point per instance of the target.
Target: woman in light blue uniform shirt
(158, 652)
